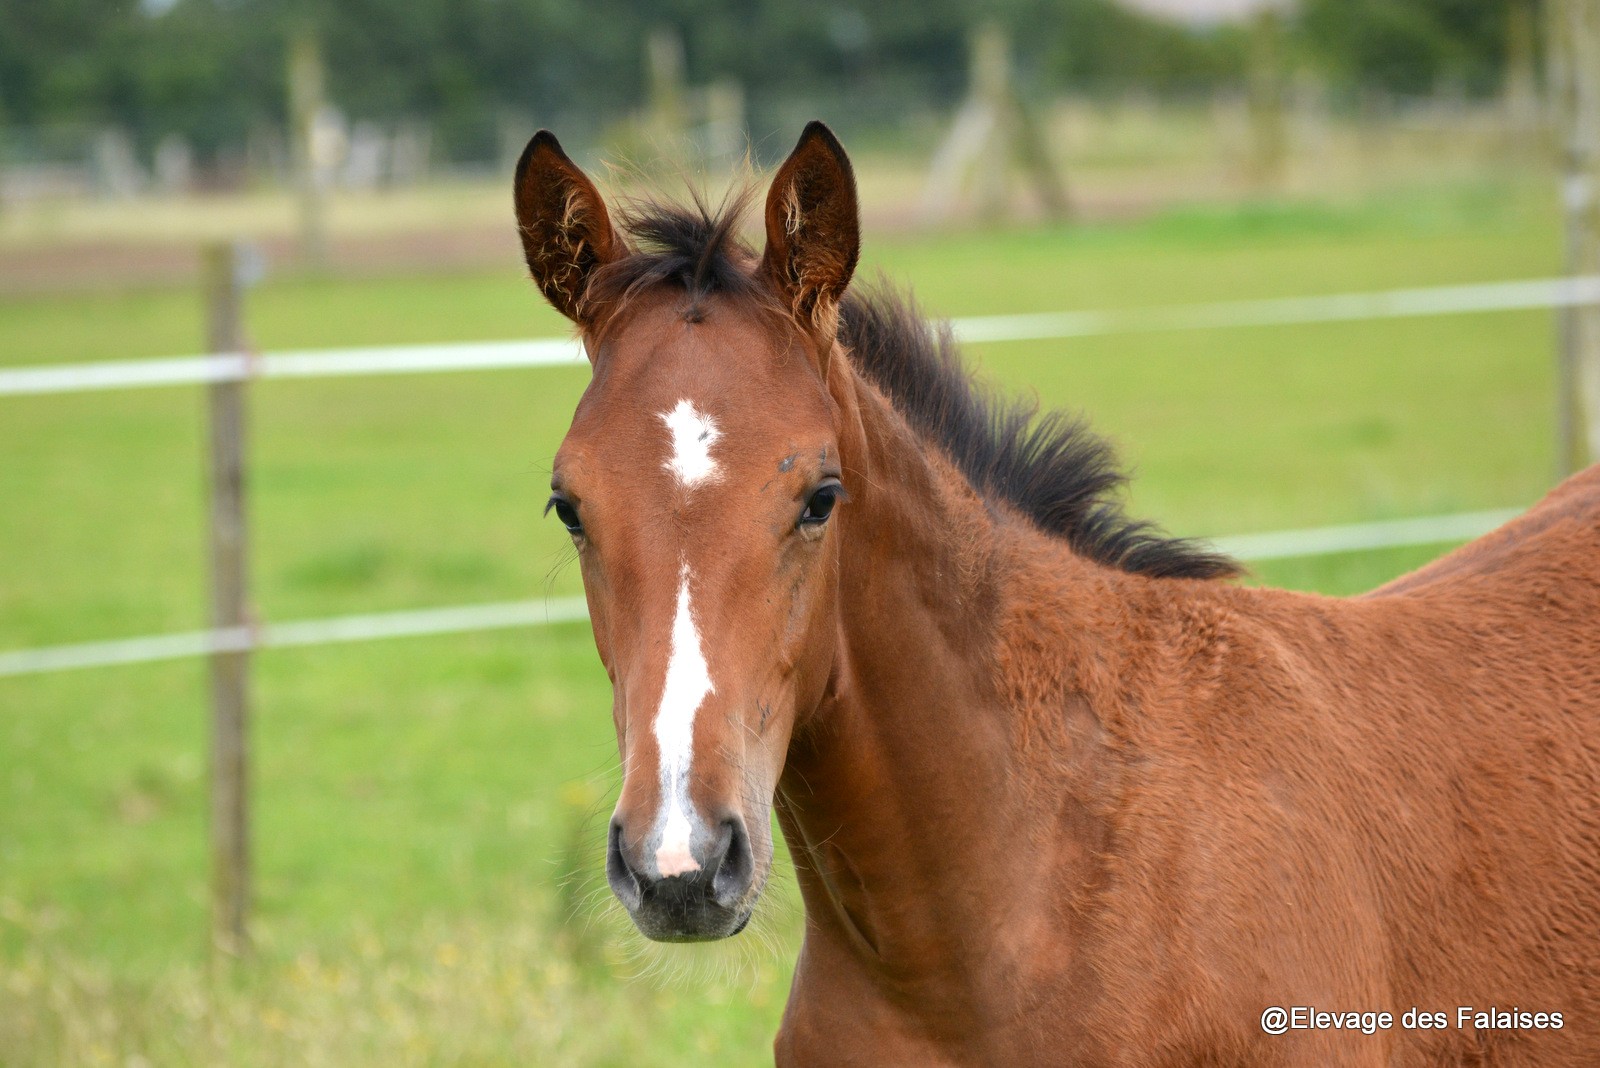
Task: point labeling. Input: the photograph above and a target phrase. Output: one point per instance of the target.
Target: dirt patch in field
(124, 264)
(76, 265)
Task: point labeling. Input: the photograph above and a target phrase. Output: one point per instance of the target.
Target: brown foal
(1056, 793)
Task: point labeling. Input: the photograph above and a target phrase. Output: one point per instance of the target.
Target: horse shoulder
(1374, 765)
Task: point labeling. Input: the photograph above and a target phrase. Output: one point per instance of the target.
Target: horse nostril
(736, 867)
(624, 883)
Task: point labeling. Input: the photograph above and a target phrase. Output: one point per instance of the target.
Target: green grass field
(429, 812)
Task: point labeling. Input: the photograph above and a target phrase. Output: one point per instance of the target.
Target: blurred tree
(1412, 48)
(1100, 45)
(52, 64)
(211, 70)
(194, 69)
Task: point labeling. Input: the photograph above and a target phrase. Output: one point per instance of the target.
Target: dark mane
(1051, 467)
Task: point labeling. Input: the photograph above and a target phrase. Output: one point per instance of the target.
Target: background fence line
(1516, 295)
(336, 629)
(228, 369)
(501, 615)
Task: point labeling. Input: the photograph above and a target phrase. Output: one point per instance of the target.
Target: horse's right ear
(566, 232)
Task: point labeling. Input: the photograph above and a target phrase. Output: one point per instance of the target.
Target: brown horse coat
(1212, 800)
(1055, 795)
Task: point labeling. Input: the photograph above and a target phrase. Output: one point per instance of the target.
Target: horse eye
(820, 506)
(566, 513)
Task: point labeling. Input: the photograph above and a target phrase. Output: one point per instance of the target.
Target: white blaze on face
(693, 434)
(688, 683)
(688, 679)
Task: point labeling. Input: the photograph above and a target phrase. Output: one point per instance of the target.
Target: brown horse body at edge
(1056, 794)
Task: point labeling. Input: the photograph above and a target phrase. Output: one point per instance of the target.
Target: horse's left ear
(813, 228)
(566, 231)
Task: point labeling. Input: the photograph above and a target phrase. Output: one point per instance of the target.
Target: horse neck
(905, 781)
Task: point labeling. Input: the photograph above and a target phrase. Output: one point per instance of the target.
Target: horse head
(702, 485)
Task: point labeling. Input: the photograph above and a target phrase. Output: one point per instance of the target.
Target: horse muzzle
(710, 899)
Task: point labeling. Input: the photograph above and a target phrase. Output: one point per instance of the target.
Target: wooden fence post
(1575, 84)
(993, 129)
(1266, 75)
(230, 660)
(305, 78)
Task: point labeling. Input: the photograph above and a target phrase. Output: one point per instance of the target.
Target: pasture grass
(429, 812)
